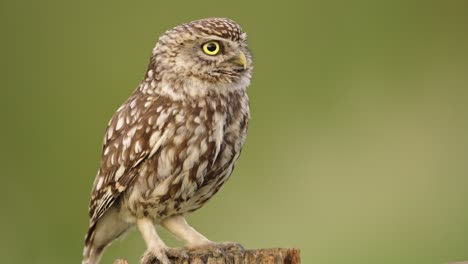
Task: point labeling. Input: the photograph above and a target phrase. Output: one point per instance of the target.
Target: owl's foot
(177, 253)
(215, 249)
(155, 256)
(164, 256)
(232, 246)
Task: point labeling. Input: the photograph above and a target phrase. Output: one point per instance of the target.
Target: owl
(174, 142)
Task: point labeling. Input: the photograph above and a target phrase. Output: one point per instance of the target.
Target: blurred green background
(358, 145)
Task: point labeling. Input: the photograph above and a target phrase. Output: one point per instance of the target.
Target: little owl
(174, 142)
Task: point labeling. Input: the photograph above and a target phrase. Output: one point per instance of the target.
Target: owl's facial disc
(213, 59)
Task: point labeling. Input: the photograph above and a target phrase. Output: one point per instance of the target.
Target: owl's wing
(135, 133)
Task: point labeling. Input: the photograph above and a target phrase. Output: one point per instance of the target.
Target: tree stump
(258, 256)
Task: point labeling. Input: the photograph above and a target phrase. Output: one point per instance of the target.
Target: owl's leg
(179, 227)
(156, 247)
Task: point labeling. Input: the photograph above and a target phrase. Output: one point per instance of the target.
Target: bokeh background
(358, 145)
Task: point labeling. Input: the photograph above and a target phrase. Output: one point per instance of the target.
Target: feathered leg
(179, 227)
(156, 247)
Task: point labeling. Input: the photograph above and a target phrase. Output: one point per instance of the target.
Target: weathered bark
(259, 256)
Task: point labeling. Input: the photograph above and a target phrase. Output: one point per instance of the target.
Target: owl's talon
(216, 249)
(212, 248)
(177, 253)
(232, 246)
(155, 256)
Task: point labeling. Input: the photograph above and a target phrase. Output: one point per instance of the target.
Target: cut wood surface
(257, 256)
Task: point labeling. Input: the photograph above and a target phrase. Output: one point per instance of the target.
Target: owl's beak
(241, 60)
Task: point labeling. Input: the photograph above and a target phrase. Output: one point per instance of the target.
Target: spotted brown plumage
(174, 142)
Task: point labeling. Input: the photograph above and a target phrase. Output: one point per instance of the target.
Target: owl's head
(210, 52)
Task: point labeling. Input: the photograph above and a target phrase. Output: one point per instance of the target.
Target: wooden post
(258, 256)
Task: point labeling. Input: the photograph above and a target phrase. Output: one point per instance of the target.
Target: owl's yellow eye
(211, 48)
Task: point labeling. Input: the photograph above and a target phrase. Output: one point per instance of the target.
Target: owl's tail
(101, 234)
(91, 253)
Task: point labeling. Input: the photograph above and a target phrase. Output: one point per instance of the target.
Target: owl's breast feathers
(188, 145)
